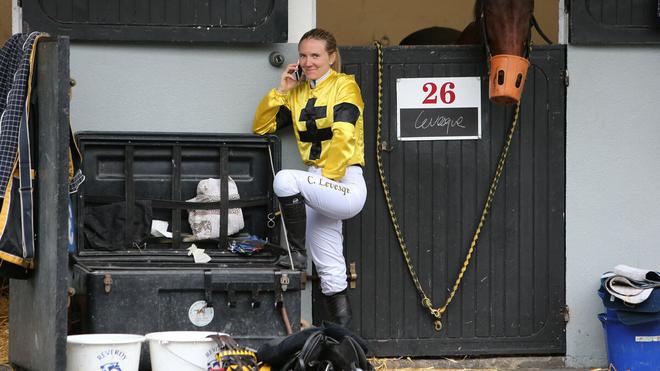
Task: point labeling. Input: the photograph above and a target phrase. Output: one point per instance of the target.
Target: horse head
(504, 28)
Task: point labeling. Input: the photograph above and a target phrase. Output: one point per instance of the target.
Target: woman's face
(314, 59)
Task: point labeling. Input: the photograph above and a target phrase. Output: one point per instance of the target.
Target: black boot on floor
(339, 308)
(295, 220)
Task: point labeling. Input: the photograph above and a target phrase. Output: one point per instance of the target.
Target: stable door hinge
(107, 283)
(565, 77)
(565, 312)
(70, 293)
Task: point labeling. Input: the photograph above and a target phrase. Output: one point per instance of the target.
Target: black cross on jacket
(313, 134)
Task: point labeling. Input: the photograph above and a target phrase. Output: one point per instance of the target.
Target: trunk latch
(284, 281)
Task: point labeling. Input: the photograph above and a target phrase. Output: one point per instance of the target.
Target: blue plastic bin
(634, 348)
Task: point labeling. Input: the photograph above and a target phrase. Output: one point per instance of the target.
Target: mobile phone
(298, 73)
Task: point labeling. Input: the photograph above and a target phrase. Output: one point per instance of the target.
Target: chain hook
(437, 313)
(427, 303)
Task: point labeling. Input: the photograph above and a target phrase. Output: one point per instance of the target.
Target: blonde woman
(325, 109)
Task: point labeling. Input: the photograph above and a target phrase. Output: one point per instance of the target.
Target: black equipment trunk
(134, 299)
(154, 285)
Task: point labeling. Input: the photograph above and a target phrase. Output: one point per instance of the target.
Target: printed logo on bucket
(114, 366)
(212, 363)
(110, 359)
(214, 366)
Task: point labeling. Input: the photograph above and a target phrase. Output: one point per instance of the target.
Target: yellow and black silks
(327, 121)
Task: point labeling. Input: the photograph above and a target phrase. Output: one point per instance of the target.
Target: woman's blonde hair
(330, 44)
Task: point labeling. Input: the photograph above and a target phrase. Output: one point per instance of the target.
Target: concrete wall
(129, 87)
(174, 88)
(177, 87)
(612, 180)
(171, 87)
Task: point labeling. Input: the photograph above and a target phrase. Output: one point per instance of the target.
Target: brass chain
(426, 301)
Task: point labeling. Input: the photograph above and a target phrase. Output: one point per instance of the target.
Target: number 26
(446, 94)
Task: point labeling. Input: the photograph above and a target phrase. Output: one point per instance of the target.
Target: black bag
(323, 353)
(329, 347)
(112, 227)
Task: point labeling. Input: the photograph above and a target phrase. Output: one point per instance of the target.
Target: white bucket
(182, 350)
(103, 352)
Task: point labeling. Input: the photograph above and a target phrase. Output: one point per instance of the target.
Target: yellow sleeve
(272, 113)
(346, 113)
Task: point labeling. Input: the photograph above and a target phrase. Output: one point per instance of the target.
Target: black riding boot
(295, 220)
(339, 308)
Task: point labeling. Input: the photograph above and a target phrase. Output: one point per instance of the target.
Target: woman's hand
(287, 81)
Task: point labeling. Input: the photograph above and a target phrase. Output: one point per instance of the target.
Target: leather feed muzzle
(507, 78)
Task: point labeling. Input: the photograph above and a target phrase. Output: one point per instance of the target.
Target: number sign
(438, 108)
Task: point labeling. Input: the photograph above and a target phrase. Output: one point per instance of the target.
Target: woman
(325, 109)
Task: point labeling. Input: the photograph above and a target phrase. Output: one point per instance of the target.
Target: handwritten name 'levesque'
(424, 122)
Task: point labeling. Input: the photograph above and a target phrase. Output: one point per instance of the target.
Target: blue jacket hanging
(17, 61)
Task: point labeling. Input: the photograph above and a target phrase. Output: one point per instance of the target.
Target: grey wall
(170, 88)
(613, 180)
(177, 88)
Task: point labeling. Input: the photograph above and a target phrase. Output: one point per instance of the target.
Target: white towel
(627, 290)
(637, 274)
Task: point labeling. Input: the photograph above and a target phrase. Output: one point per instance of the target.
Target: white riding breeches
(328, 203)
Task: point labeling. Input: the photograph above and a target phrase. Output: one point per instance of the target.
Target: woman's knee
(285, 183)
